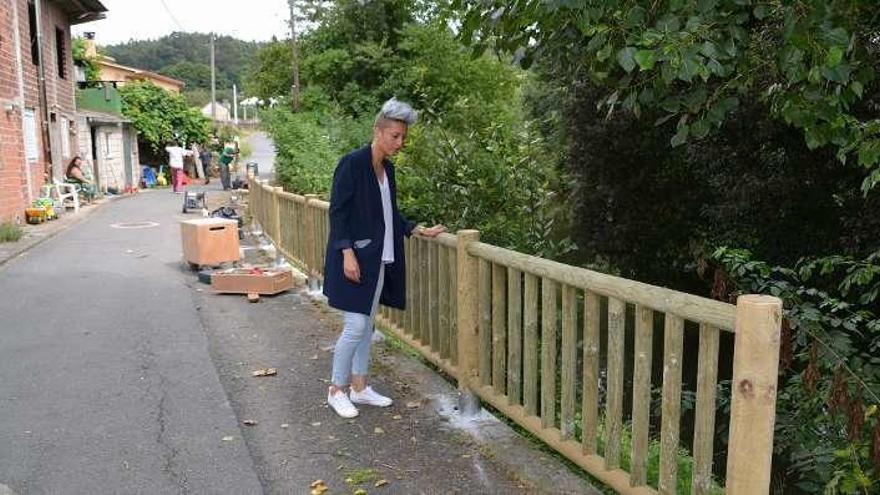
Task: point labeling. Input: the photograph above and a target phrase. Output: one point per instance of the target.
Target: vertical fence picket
(424, 282)
(569, 361)
(443, 296)
(590, 407)
(641, 413)
(614, 401)
(410, 287)
(453, 307)
(433, 291)
(530, 344)
(548, 352)
(485, 322)
(673, 337)
(514, 336)
(704, 421)
(499, 332)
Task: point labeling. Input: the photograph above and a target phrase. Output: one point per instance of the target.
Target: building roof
(102, 118)
(80, 11)
(141, 73)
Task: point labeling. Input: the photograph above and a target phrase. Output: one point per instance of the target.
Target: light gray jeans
(352, 352)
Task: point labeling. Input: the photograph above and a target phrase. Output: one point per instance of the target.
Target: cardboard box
(251, 281)
(209, 241)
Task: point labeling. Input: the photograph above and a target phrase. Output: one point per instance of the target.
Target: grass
(10, 232)
(361, 476)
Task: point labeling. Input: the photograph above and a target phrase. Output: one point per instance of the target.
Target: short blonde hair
(395, 109)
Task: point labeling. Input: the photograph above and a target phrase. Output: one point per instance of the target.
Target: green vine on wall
(82, 59)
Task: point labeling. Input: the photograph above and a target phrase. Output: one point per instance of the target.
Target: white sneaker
(340, 403)
(370, 397)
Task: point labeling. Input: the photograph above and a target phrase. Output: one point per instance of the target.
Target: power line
(171, 15)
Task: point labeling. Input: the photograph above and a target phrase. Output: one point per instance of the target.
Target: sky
(252, 20)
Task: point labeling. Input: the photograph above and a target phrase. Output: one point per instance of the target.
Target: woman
(74, 175)
(365, 262)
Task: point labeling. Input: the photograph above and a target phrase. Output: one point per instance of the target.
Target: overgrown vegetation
(10, 232)
(88, 63)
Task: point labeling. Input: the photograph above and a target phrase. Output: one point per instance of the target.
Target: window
(32, 24)
(60, 53)
(32, 150)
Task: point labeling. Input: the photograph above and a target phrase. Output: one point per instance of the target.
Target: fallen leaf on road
(360, 491)
(414, 404)
(314, 358)
(228, 439)
(285, 426)
(316, 423)
(378, 431)
(265, 372)
(381, 483)
(397, 416)
(318, 487)
(249, 422)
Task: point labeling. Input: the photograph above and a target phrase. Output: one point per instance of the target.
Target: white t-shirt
(388, 243)
(176, 154)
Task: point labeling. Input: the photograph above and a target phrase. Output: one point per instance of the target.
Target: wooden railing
(526, 335)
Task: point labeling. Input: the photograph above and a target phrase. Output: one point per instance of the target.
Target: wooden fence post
(276, 214)
(310, 258)
(468, 323)
(753, 394)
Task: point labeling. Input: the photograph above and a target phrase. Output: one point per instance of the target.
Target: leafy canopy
(693, 60)
(160, 116)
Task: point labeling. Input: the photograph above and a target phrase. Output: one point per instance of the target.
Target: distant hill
(187, 56)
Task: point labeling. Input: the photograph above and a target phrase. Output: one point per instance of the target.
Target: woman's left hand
(432, 231)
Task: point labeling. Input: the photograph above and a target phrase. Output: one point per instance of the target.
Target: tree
(269, 73)
(196, 75)
(160, 116)
(811, 61)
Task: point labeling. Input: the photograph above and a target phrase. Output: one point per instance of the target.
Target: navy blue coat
(356, 221)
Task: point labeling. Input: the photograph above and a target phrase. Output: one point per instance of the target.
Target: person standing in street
(175, 161)
(226, 159)
(365, 263)
(206, 157)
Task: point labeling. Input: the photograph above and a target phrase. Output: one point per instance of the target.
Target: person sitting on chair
(75, 175)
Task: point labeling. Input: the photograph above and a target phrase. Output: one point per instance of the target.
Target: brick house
(37, 121)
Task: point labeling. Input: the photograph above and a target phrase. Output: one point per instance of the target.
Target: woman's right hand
(350, 266)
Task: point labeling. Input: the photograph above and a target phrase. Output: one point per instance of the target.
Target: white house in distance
(222, 112)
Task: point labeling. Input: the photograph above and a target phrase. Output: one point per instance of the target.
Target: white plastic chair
(64, 190)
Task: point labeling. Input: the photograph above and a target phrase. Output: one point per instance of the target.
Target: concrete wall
(109, 165)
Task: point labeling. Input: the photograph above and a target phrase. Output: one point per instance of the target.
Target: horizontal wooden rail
(687, 306)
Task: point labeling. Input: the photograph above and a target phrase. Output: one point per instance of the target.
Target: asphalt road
(106, 383)
(263, 153)
(121, 373)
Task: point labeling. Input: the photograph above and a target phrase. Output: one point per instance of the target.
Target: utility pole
(294, 89)
(213, 83)
(235, 104)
